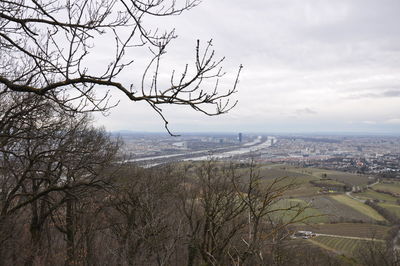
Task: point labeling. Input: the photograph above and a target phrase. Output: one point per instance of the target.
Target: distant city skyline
(309, 67)
(328, 134)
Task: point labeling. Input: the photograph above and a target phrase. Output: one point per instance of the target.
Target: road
(360, 200)
(373, 184)
(354, 198)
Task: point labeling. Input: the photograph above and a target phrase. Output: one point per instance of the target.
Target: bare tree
(142, 216)
(234, 217)
(267, 227)
(48, 160)
(46, 46)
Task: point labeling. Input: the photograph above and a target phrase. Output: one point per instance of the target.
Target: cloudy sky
(309, 66)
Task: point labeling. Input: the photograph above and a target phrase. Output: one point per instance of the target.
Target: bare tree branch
(46, 46)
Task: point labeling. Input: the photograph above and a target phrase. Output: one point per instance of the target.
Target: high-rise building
(240, 137)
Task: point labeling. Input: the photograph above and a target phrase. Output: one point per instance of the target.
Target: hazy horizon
(317, 134)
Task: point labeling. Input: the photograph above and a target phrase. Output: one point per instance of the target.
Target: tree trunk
(70, 230)
(191, 254)
(36, 231)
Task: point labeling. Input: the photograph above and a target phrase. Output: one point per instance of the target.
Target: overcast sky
(309, 66)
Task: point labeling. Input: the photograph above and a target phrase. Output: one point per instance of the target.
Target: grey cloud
(319, 53)
(305, 111)
(357, 19)
(394, 93)
(384, 94)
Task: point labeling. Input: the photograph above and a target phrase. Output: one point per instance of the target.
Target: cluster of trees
(66, 198)
(329, 184)
(49, 159)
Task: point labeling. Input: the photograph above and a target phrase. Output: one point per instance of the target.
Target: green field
(358, 206)
(338, 212)
(353, 220)
(389, 187)
(303, 190)
(394, 208)
(373, 195)
(347, 178)
(341, 245)
(300, 185)
(270, 172)
(302, 177)
(309, 215)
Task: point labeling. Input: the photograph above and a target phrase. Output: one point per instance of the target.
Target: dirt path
(373, 184)
(354, 198)
(360, 200)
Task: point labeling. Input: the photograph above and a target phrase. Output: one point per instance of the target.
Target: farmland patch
(338, 212)
(363, 230)
(359, 206)
(342, 245)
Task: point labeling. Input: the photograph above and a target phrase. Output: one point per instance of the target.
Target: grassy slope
(338, 205)
(341, 245)
(371, 194)
(358, 206)
(302, 177)
(301, 181)
(348, 178)
(394, 208)
(310, 215)
(336, 211)
(303, 189)
(393, 188)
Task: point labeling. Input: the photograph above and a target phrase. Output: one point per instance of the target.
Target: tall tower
(240, 137)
